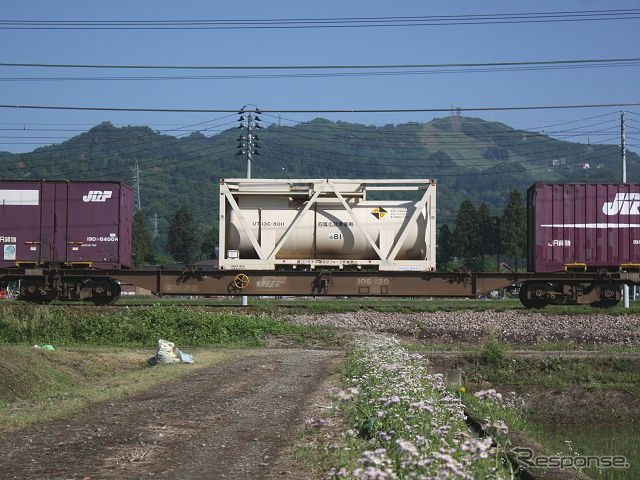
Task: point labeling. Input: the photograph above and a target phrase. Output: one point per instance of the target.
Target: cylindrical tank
(327, 230)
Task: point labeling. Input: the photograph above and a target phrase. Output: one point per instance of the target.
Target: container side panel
(60, 221)
(593, 241)
(19, 222)
(531, 230)
(565, 249)
(545, 226)
(94, 223)
(47, 222)
(579, 242)
(126, 225)
(594, 224)
(634, 226)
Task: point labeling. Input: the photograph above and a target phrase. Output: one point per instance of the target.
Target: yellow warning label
(378, 212)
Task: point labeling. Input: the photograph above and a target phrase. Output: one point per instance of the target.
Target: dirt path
(228, 421)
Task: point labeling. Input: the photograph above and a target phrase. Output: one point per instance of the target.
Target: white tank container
(271, 223)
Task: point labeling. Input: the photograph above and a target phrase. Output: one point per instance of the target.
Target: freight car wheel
(531, 302)
(609, 296)
(606, 303)
(106, 292)
(39, 299)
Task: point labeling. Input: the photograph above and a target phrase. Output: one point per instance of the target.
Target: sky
(25, 129)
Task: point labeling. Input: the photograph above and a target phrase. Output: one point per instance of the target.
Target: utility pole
(248, 146)
(155, 225)
(248, 140)
(623, 149)
(136, 187)
(623, 154)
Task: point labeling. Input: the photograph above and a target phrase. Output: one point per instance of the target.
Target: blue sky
(348, 46)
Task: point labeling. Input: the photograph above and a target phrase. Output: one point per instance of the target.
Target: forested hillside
(469, 157)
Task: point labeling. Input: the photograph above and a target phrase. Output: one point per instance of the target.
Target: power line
(332, 22)
(313, 75)
(321, 67)
(352, 110)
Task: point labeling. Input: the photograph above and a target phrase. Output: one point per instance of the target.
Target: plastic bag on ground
(185, 357)
(166, 352)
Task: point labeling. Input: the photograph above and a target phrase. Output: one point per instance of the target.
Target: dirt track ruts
(226, 421)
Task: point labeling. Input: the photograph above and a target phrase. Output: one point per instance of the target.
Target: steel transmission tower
(248, 145)
(623, 148)
(248, 141)
(155, 225)
(136, 187)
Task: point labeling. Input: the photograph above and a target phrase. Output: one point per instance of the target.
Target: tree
(513, 227)
(488, 233)
(466, 235)
(182, 242)
(141, 241)
(209, 242)
(445, 247)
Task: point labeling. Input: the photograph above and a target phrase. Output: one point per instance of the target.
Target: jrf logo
(97, 196)
(623, 204)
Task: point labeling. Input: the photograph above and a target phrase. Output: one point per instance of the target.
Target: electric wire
(323, 23)
(344, 111)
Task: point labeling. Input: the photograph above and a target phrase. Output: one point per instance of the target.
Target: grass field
(584, 405)
(354, 304)
(24, 323)
(102, 355)
(590, 401)
(38, 385)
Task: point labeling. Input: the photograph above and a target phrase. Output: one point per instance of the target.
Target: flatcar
(72, 241)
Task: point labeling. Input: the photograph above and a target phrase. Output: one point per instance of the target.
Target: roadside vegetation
(392, 305)
(38, 385)
(570, 405)
(101, 354)
(28, 324)
(396, 419)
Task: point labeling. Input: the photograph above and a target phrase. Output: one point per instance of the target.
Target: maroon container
(65, 222)
(577, 226)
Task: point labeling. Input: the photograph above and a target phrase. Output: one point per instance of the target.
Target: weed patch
(20, 323)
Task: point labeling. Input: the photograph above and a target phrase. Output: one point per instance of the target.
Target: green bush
(141, 326)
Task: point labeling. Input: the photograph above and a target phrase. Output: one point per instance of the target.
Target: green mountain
(470, 158)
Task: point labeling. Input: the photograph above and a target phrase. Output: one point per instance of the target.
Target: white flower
(405, 447)
(490, 394)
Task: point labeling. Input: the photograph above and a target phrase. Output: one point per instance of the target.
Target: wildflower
(423, 405)
(442, 430)
(372, 473)
(451, 466)
(405, 447)
(499, 426)
(315, 422)
(373, 457)
(478, 448)
(342, 473)
(490, 394)
(392, 400)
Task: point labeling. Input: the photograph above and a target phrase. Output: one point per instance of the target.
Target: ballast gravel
(474, 327)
